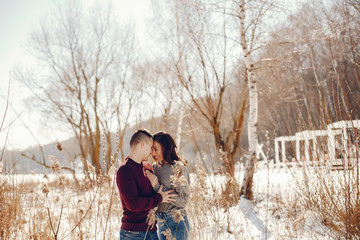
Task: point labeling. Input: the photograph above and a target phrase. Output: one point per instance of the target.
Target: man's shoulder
(124, 169)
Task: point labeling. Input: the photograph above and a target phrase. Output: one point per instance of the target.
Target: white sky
(18, 18)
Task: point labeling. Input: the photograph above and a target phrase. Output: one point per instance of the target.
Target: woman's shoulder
(158, 167)
(180, 164)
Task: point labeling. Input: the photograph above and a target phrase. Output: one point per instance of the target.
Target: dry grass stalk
(45, 189)
(178, 179)
(91, 168)
(230, 194)
(10, 208)
(335, 198)
(151, 217)
(177, 216)
(27, 215)
(55, 165)
(168, 235)
(206, 209)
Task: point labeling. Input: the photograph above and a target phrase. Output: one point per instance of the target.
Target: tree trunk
(246, 188)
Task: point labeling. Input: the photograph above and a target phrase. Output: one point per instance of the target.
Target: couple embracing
(163, 186)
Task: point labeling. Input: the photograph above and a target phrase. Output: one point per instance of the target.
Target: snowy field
(273, 214)
(49, 206)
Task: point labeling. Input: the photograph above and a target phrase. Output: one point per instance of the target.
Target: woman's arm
(182, 188)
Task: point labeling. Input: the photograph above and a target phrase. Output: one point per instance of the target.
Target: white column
(298, 149)
(307, 155)
(315, 151)
(283, 150)
(331, 144)
(345, 144)
(276, 151)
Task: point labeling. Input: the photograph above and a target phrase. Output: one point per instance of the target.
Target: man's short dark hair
(139, 136)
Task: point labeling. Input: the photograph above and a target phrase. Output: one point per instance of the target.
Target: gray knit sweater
(179, 184)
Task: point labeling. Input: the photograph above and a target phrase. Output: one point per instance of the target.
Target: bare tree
(85, 60)
(315, 80)
(324, 77)
(162, 95)
(212, 38)
(200, 53)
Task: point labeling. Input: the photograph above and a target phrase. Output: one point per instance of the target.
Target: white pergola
(338, 128)
(306, 136)
(282, 140)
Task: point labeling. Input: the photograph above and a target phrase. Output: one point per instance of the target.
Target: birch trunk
(246, 188)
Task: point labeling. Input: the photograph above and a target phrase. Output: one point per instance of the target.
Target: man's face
(147, 149)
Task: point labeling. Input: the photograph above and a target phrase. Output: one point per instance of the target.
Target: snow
(274, 212)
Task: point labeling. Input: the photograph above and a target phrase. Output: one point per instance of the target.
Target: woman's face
(157, 152)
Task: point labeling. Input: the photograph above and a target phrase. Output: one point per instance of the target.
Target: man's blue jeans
(132, 235)
(180, 231)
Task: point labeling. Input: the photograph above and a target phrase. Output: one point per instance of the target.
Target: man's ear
(142, 144)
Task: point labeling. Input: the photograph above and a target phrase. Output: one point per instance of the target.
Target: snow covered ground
(275, 212)
(95, 212)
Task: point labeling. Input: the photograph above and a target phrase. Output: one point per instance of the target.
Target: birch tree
(250, 33)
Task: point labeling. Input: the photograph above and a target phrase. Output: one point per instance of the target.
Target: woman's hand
(152, 177)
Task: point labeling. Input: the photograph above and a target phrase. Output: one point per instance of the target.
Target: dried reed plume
(177, 179)
(91, 168)
(45, 189)
(177, 216)
(167, 234)
(151, 217)
(55, 165)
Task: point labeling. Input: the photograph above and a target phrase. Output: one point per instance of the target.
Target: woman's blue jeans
(132, 235)
(180, 230)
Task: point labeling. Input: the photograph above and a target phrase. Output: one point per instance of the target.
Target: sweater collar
(132, 162)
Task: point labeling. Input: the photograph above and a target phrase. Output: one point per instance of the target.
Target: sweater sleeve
(157, 186)
(182, 190)
(129, 193)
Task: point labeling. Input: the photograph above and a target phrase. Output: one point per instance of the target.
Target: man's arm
(167, 196)
(129, 193)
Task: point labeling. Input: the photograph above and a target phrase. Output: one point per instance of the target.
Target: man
(136, 193)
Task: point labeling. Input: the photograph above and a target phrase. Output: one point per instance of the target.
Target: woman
(172, 174)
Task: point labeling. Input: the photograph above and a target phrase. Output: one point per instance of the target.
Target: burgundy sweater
(137, 196)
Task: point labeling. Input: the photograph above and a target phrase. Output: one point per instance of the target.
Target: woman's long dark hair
(168, 146)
